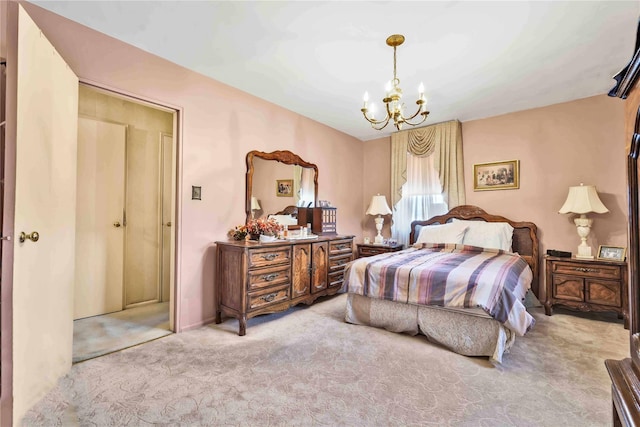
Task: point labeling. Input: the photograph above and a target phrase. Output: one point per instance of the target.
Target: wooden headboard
(525, 234)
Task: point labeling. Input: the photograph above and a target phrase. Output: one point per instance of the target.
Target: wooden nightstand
(371, 249)
(587, 285)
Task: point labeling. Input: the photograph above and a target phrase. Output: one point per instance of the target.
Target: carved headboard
(525, 234)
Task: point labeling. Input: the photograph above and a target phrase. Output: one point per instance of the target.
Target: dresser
(255, 278)
(586, 285)
(367, 249)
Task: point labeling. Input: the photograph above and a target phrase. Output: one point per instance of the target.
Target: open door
(42, 114)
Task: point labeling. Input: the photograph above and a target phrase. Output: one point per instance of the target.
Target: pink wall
(558, 146)
(376, 179)
(220, 125)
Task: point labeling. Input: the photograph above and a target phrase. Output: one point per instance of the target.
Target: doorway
(124, 226)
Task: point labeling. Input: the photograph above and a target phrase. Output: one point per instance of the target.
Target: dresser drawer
(340, 247)
(587, 270)
(268, 297)
(270, 276)
(339, 262)
(263, 257)
(336, 278)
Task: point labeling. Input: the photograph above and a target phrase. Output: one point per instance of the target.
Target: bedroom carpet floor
(308, 367)
(99, 335)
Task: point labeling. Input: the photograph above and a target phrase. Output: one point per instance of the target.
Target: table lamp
(583, 199)
(255, 206)
(379, 206)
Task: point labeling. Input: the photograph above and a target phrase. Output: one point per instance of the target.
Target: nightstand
(365, 249)
(587, 285)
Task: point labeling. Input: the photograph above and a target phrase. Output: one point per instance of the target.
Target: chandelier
(393, 98)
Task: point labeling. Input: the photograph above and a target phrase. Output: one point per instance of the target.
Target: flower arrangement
(255, 227)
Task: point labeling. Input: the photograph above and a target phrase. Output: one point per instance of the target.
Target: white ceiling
(476, 58)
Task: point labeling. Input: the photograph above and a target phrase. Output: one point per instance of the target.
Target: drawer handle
(270, 277)
(342, 247)
(341, 262)
(269, 297)
(270, 257)
(586, 270)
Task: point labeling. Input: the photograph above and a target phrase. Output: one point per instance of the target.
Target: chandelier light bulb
(372, 110)
(387, 87)
(366, 97)
(421, 90)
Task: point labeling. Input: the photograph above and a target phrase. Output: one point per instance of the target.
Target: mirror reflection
(279, 182)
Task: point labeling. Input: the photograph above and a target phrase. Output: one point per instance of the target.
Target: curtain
(444, 141)
(427, 176)
(421, 196)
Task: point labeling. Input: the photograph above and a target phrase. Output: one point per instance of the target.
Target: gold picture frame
(612, 253)
(503, 175)
(284, 187)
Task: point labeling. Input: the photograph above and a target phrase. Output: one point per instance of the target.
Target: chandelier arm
(425, 113)
(374, 121)
(383, 125)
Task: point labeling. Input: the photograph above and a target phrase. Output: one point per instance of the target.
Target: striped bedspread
(448, 275)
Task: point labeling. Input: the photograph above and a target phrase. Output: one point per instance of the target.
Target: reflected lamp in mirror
(379, 206)
(583, 199)
(255, 206)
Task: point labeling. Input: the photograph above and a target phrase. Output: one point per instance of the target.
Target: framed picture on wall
(612, 253)
(503, 175)
(284, 187)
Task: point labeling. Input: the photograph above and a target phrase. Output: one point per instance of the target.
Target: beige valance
(444, 141)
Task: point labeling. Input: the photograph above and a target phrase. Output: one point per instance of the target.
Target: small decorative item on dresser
(256, 228)
(614, 253)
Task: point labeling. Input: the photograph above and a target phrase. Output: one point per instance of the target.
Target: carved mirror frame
(283, 156)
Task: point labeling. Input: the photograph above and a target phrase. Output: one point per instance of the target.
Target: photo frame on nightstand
(612, 253)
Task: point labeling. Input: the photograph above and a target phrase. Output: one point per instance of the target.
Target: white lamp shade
(583, 199)
(378, 206)
(255, 206)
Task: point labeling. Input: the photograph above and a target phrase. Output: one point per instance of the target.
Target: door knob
(169, 224)
(34, 236)
(116, 224)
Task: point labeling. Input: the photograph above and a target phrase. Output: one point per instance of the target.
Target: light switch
(196, 193)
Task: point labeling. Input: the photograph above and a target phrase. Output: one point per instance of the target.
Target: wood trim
(283, 156)
(627, 77)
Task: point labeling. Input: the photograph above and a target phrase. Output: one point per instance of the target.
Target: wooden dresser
(257, 278)
(586, 285)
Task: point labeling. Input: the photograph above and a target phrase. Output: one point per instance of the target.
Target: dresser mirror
(277, 181)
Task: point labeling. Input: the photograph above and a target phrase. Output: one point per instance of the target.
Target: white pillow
(496, 235)
(284, 219)
(442, 233)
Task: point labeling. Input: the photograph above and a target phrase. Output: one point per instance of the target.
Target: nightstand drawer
(587, 270)
(568, 288)
(604, 293)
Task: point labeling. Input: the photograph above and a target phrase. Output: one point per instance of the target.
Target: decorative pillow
(442, 233)
(496, 235)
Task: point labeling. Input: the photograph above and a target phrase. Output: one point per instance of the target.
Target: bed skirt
(467, 332)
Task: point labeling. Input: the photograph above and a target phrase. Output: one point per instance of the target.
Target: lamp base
(379, 240)
(584, 252)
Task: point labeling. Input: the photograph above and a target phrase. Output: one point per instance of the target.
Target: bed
(397, 291)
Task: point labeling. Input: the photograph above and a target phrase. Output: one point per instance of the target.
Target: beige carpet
(99, 335)
(307, 367)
